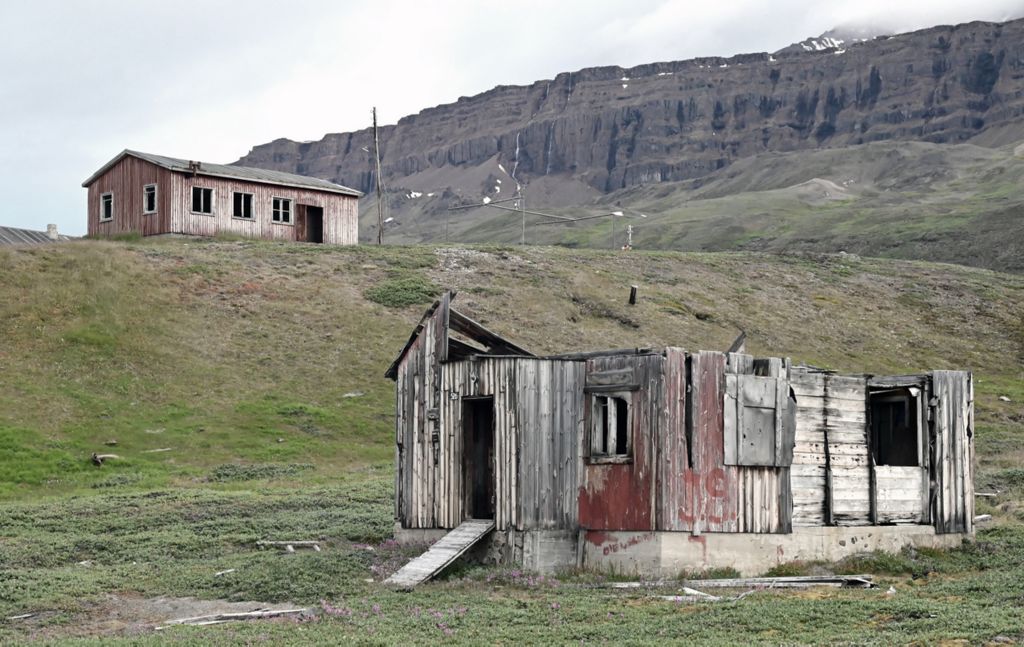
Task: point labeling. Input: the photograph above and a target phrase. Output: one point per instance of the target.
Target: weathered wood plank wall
(953, 428)
(126, 180)
(341, 225)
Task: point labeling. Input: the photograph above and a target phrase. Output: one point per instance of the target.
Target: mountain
(651, 136)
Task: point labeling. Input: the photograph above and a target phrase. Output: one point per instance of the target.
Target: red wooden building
(152, 194)
(659, 461)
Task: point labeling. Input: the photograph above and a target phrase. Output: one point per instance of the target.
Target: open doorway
(314, 224)
(894, 427)
(478, 457)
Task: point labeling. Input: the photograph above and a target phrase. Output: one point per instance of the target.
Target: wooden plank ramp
(448, 549)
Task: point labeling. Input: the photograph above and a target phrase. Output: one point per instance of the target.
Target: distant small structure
(16, 236)
(151, 194)
(659, 461)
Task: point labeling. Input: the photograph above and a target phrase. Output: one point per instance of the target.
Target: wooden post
(376, 155)
(632, 295)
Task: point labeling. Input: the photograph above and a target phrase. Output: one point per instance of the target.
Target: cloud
(209, 79)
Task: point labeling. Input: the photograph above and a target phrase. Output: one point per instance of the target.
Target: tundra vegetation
(240, 385)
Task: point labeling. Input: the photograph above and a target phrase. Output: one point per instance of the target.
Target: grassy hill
(242, 383)
(913, 200)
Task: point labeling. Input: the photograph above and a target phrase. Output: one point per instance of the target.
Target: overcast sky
(80, 81)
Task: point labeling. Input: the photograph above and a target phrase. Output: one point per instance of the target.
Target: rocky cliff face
(611, 128)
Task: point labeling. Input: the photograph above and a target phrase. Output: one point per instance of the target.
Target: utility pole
(522, 206)
(376, 155)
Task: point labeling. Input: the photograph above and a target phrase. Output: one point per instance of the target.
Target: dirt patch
(128, 615)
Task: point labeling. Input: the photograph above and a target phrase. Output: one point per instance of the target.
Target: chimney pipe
(51, 232)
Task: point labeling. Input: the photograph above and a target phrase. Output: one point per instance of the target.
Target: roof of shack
(263, 176)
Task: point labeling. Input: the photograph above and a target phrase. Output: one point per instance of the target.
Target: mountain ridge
(583, 136)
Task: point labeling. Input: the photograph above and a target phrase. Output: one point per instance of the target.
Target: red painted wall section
(620, 496)
(712, 488)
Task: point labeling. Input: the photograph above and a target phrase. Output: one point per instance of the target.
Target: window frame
(146, 211)
(599, 428)
(103, 198)
(275, 211)
(252, 206)
(882, 450)
(192, 200)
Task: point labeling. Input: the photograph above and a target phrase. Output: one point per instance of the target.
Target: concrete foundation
(669, 554)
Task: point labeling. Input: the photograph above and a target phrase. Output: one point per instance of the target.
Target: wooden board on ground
(444, 552)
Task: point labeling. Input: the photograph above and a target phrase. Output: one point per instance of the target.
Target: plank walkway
(441, 554)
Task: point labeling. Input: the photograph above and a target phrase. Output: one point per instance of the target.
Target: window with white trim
(241, 205)
(282, 211)
(610, 426)
(202, 200)
(149, 198)
(106, 207)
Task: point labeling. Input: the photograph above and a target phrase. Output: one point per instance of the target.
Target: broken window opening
(610, 427)
(282, 211)
(894, 427)
(106, 207)
(149, 198)
(242, 205)
(202, 200)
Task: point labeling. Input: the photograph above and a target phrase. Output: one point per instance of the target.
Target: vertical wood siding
(174, 203)
(953, 429)
(340, 211)
(125, 180)
(809, 472)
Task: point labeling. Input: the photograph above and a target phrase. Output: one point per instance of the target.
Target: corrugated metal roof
(15, 236)
(263, 176)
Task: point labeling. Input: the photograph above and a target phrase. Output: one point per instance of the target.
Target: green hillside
(241, 386)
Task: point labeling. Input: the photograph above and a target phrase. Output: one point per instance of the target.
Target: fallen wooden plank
(799, 581)
(24, 616)
(219, 618)
(448, 549)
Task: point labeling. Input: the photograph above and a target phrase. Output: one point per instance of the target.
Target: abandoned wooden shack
(656, 462)
(152, 194)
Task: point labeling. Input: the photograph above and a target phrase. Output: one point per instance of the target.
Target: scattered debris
(290, 546)
(24, 616)
(799, 581)
(223, 573)
(982, 517)
(354, 394)
(157, 451)
(632, 294)
(159, 430)
(1003, 398)
(110, 443)
(220, 618)
(85, 562)
(891, 592)
(98, 459)
(987, 495)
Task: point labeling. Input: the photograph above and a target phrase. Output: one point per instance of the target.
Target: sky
(210, 79)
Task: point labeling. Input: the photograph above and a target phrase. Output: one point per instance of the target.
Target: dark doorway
(314, 224)
(894, 426)
(478, 457)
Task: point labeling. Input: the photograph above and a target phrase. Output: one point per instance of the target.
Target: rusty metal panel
(619, 496)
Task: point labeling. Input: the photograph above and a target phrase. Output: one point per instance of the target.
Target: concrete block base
(670, 554)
